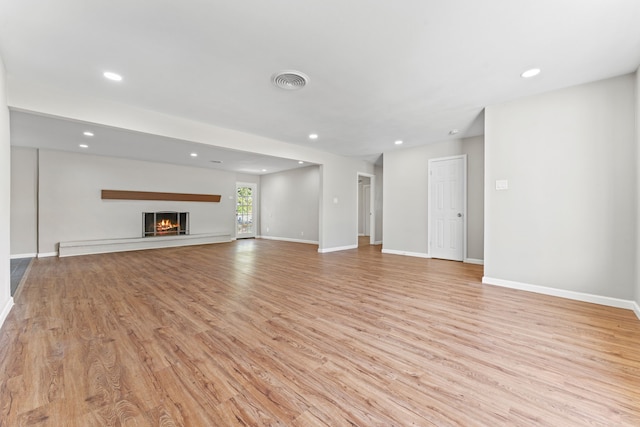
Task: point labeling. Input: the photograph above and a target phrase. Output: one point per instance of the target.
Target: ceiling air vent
(290, 80)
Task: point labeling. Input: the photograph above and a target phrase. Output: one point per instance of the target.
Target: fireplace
(165, 223)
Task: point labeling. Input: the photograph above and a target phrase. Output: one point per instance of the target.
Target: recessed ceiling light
(87, 133)
(300, 162)
(112, 76)
(398, 142)
(264, 170)
(530, 73)
(313, 136)
(453, 131)
(83, 146)
(194, 154)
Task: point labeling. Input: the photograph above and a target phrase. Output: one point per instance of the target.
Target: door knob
(459, 215)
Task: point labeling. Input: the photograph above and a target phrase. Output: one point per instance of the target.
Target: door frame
(366, 189)
(463, 157)
(372, 204)
(254, 190)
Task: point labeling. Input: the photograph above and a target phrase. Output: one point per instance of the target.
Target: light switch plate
(502, 184)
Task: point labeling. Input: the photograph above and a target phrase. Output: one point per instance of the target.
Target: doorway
(366, 212)
(447, 226)
(245, 209)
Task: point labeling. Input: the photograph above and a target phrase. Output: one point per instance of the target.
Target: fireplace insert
(165, 223)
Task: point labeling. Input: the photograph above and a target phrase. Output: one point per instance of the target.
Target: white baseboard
(47, 254)
(336, 249)
(377, 242)
(578, 296)
(5, 311)
(21, 256)
(636, 309)
(474, 261)
(405, 253)
(286, 239)
(360, 234)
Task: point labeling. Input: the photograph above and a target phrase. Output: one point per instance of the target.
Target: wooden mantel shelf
(151, 195)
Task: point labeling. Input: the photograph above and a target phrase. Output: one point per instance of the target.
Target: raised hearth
(87, 247)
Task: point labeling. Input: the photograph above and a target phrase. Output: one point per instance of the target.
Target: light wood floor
(259, 332)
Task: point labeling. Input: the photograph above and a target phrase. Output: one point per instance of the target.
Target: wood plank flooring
(259, 332)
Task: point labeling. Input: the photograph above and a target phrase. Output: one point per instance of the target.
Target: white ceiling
(35, 130)
(379, 70)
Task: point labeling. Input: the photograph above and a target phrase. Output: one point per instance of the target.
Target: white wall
(290, 204)
(568, 219)
(24, 187)
(6, 302)
(406, 186)
(474, 149)
(71, 208)
(637, 291)
(339, 203)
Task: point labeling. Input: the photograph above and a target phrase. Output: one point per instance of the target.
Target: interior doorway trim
(372, 204)
(430, 203)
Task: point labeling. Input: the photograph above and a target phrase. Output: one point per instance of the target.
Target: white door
(366, 209)
(447, 207)
(245, 197)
